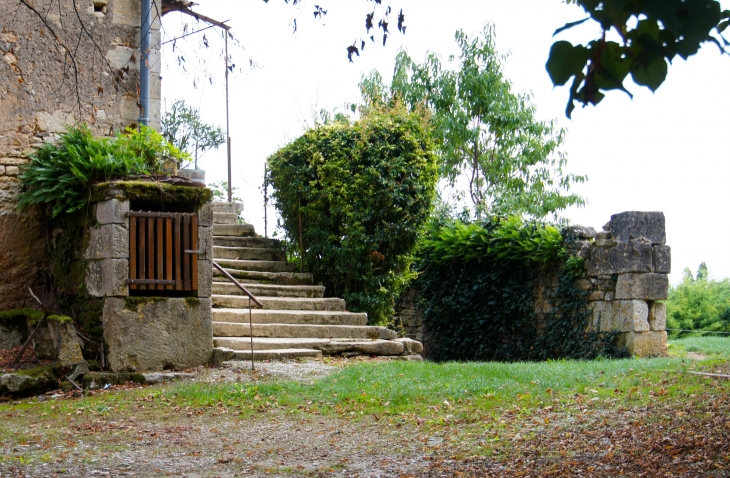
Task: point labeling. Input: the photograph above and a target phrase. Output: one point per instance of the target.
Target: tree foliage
(651, 33)
(485, 133)
(62, 176)
(699, 303)
(356, 196)
(183, 127)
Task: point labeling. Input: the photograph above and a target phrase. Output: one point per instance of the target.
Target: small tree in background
(485, 134)
(699, 303)
(183, 127)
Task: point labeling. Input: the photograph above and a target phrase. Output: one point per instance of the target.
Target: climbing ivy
(503, 289)
(353, 198)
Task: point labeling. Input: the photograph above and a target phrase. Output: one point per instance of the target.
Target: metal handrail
(251, 297)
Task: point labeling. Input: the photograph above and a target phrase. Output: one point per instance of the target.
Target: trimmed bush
(361, 192)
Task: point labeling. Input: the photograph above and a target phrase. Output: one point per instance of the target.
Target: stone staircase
(296, 320)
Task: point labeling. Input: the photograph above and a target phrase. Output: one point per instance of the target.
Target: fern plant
(62, 175)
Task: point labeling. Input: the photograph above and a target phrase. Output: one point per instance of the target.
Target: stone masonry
(147, 333)
(627, 265)
(39, 97)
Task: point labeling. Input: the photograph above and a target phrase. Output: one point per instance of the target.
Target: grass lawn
(602, 418)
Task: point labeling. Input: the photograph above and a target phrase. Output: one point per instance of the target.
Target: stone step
(309, 317)
(263, 266)
(229, 329)
(327, 346)
(276, 354)
(225, 218)
(246, 230)
(269, 290)
(248, 253)
(288, 278)
(226, 207)
(280, 303)
(259, 242)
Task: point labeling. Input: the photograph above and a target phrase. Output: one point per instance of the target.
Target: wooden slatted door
(163, 253)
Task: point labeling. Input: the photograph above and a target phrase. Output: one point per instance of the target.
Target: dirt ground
(680, 438)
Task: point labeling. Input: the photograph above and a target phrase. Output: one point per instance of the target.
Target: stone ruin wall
(38, 97)
(627, 266)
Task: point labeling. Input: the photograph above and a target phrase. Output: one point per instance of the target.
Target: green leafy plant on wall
(503, 289)
(62, 175)
(353, 198)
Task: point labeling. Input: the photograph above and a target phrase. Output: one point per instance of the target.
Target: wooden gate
(163, 253)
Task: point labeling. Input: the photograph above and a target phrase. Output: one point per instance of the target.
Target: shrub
(62, 175)
(361, 193)
(481, 285)
(699, 303)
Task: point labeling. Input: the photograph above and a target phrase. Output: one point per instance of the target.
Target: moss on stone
(134, 303)
(60, 319)
(12, 315)
(150, 191)
(191, 302)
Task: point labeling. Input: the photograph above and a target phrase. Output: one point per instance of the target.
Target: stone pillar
(147, 333)
(627, 267)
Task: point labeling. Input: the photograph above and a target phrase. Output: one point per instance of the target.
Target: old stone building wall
(64, 63)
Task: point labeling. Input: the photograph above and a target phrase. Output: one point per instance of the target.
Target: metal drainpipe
(144, 66)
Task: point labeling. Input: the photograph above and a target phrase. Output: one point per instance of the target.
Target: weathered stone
(642, 286)
(584, 284)
(369, 347)
(68, 351)
(604, 239)
(645, 344)
(205, 215)
(625, 257)
(631, 225)
(227, 207)
(657, 316)
(205, 278)
(2, 170)
(107, 278)
(411, 346)
(619, 315)
(205, 243)
(221, 354)
(14, 161)
(28, 382)
(596, 295)
(579, 232)
(662, 259)
(156, 333)
(112, 211)
(12, 170)
(44, 344)
(152, 378)
(54, 122)
(604, 284)
(108, 241)
(13, 332)
(610, 295)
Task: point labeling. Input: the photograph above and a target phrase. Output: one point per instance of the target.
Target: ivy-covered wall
(600, 296)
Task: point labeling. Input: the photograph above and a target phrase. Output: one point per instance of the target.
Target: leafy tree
(353, 199)
(485, 133)
(183, 127)
(652, 34)
(699, 303)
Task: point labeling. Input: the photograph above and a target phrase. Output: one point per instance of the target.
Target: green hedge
(478, 285)
(364, 191)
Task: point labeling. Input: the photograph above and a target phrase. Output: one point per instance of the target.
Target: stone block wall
(146, 333)
(626, 279)
(39, 96)
(627, 265)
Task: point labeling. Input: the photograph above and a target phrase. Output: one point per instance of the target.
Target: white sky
(667, 151)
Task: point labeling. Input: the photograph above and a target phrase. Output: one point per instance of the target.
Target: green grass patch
(706, 345)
